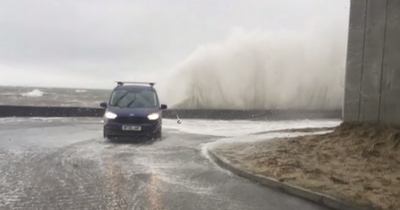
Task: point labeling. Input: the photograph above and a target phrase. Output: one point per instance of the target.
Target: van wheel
(158, 135)
(105, 136)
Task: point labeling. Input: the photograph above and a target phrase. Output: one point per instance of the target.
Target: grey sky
(66, 43)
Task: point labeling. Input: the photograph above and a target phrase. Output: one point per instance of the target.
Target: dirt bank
(356, 163)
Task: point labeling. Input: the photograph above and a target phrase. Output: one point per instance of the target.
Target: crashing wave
(33, 93)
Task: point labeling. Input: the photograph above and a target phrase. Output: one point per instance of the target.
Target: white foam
(80, 91)
(242, 127)
(257, 138)
(33, 93)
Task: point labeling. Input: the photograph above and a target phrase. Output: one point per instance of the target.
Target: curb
(314, 197)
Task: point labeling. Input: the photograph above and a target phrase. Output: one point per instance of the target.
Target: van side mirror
(103, 104)
(163, 106)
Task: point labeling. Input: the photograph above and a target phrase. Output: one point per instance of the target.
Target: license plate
(131, 128)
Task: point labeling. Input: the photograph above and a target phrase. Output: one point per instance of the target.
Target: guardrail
(41, 111)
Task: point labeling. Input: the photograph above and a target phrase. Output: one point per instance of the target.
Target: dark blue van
(133, 110)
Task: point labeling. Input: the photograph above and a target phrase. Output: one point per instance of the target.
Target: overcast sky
(91, 43)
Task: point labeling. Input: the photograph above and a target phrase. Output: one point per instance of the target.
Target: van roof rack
(120, 83)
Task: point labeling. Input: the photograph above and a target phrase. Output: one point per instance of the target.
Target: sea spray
(263, 69)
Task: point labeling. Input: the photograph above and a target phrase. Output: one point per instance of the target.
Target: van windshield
(134, 98)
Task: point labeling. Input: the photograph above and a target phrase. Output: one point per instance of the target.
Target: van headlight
(110, 115)
(153, 116)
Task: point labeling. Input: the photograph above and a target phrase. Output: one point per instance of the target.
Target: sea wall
(36, 111)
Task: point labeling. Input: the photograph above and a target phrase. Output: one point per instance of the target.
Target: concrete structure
(372, 83)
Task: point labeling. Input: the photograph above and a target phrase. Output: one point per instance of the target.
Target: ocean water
(39, 96)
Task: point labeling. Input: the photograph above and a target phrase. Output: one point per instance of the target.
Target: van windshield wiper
(120, 98)
(131, 102)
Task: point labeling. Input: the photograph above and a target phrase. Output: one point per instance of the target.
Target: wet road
(66, 164)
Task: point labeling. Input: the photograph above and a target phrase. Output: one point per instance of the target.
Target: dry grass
(356, 163)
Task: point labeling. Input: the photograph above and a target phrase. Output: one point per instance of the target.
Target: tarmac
(59, 163)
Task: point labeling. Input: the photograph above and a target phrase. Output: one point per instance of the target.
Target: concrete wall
(37, 111)
(372, 83)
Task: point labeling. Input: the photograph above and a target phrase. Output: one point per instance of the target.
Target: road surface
(66, 164)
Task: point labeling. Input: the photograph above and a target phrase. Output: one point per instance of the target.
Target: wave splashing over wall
(263, 70)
